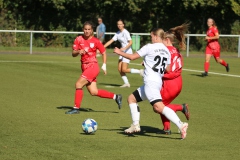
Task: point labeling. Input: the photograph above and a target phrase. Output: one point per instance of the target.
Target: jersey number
(159, 61)
(176, 63)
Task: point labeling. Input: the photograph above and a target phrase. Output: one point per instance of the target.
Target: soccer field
(36, 90)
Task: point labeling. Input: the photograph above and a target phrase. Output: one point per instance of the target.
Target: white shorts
(150, 91)
(123, 59)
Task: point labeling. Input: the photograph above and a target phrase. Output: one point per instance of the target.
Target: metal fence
(188, 36)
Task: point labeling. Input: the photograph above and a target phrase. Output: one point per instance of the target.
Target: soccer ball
(89, 126)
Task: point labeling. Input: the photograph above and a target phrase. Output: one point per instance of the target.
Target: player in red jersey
(86, 46)
(213, 47)
(172, 80)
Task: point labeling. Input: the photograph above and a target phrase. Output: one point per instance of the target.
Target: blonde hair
(178, 33)
(214, 23)
(158, 32)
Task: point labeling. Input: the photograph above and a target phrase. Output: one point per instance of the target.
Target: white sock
(125, 79)
(172, 116)
(135, 113)
(134, 70)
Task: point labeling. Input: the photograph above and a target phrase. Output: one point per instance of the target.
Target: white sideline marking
(191, 70)
(230, 75)
(109, 86)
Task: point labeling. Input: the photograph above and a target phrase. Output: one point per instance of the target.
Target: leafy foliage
(139, 15)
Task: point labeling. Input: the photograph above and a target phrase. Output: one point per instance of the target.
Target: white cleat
(183, 130)
(133, 129)
(125, 85)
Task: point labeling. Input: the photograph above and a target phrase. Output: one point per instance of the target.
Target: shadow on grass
(83, 109)
(198, 75)
(108, 84)
(145, 131)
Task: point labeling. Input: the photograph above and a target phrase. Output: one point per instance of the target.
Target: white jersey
(123, 37)
(156, 57)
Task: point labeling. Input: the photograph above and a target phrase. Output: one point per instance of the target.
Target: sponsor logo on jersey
(91, 45)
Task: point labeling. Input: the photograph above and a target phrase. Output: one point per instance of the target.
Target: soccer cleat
(125, 85)
(185, 111)
(133, 129)
(167, 132)
(141, 72)
(227, 68)
(73, 111)
(183, 130)
(118, 100)
(204, 74)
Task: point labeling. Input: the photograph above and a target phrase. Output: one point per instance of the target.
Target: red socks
(165, 121)
(175, 107)
(223, 63)
(78, 97)
(206, 66)
(105, 94)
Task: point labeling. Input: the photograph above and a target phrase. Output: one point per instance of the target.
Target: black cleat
(73, 111)
(227, 68)
(167, 132)
(118, 100)
(186, 111)
(204, 74)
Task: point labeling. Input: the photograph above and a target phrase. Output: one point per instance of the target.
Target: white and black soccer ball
(89, 126)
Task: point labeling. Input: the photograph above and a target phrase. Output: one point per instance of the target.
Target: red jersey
(211, 32)
(176, 64)
(90, 46)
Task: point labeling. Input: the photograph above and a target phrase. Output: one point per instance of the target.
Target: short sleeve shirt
(211, 32)
(156, 57)
(90, 46)
(123, 37)
(101, 29)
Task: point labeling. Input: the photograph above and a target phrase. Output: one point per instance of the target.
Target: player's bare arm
(129, 56)
(168, 68)
(75, 53)
(128, 46)
(108, 43)
(214, 37)
(104, 59)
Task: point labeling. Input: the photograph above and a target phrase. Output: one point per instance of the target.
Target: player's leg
(137, 96)
(122, 74)
(184, 108)
(94, 91)
(155, 99)
(170, 90)
(159, 107)
(125, 68)
(221, 61)
(81, 82)
(208, 55)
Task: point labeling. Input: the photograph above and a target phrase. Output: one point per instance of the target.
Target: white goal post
(112, 33)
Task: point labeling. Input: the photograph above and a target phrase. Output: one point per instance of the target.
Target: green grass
(36, 90)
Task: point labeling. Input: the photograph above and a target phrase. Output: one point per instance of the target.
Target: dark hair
(88, 23)
(178, 33)
(122, 21)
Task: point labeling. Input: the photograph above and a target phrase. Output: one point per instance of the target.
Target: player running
(86, 46)
(156, 58)
(123, 36)
(213, 47)
(172, 80)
